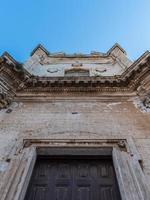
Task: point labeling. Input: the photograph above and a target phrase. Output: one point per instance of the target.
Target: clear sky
(74, 26)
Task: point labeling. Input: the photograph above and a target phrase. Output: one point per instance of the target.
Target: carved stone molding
(126, 145)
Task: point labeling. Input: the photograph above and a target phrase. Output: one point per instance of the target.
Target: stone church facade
(79, 124)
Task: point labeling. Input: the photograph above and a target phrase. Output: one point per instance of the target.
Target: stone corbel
(146, 101)
(4, 101)
(144, 98)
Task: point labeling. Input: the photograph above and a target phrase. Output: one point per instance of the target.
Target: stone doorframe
(126, 159)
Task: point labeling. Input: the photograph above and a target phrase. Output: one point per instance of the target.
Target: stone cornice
(7, 57)
(12, 77)
(128, 81)
(19, 80)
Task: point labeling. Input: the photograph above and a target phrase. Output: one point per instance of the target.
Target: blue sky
(74, 26)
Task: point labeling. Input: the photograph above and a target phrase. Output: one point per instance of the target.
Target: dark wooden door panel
(73, 179)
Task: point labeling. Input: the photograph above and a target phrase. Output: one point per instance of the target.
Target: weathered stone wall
(73, 119)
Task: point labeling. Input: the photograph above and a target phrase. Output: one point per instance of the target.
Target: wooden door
(73, 179)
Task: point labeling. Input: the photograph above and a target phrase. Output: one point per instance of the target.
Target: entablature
(15, 80)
